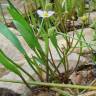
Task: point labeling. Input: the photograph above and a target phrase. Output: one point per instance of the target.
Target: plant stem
(80, 37)
(52, 84)
(31, 65)
(47, 69)
(53, 62)
(25, 82)
(25, 72)
(40, 28)
(59, 64)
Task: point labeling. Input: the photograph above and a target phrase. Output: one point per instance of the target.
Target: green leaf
(31, 40)
(52, 36)
(26, 31)
(27, 37)
(10, 36)
(24, 28)
(14, 40)
(81, 7)
(68, 5)
(9, 65)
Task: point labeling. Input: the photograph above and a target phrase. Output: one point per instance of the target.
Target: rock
(88, 34)
(14, 31)
(26, 47)
(92, 17)
(16, 87)
(73, 59)
(16, 56)
(72, 62)
(18, 4)
(9, 49)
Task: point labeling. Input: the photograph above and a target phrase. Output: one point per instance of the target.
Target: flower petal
(50, 13)
(40, 13)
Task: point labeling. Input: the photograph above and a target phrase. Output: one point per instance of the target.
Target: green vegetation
(47, 25)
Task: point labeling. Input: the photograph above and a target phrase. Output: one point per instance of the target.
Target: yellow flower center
(45, 14)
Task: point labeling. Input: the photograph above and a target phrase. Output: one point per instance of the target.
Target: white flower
(45, 14)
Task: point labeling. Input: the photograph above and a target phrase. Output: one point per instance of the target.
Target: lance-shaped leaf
(31, 40)
(10, 36)
(7, 64)
(25, 30)
(14, 40)
(27, 37)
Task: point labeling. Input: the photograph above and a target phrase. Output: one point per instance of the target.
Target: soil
(41, 91)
